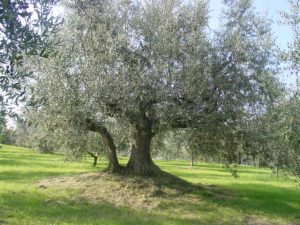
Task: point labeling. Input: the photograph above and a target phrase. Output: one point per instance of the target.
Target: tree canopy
(154, 66)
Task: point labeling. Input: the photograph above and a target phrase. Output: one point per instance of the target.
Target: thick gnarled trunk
(140, 161)
(113, 162)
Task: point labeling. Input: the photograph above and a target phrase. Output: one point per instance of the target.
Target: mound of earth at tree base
(132, 191)
(156, 194)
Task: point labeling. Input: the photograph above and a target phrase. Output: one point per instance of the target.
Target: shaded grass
(257, 194)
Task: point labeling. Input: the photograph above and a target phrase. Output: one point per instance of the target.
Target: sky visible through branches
(272, 9)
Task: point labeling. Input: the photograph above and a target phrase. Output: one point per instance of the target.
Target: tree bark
(113, 162)
(239, 158)
(140, 161)
(95, 157)
(192, 160)
(95, 161)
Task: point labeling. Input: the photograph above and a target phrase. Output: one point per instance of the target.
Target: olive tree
(290, 108)
(151, 65)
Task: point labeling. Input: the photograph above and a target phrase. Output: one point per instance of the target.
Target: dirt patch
(130, 191)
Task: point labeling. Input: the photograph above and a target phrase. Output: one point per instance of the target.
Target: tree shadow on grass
(19, 176)
(36, 208)
(41, 163)
(52, 207)
(258, 199)
(264, 199)
(30, 163)
(202, 175)
(212, 169)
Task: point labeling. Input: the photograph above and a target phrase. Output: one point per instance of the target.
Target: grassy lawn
(256, 197)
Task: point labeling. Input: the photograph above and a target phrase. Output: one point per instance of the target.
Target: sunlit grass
(256, 194)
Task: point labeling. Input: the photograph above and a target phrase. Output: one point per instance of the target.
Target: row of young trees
(141, 74)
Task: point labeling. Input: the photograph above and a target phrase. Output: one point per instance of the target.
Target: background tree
(291, 57)
(244, 75)
(288, 157)
(292, 54)
(94, 147)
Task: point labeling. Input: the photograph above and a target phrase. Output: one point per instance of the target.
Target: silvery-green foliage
(122, 57)
(94, 144)
(277, 144)
(292, 19)
(141, 56)
(245, 66)
(243, 74)
(167, 145)
(27, 27)
(125, 60)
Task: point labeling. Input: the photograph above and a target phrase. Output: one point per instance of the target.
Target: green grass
(257, 196)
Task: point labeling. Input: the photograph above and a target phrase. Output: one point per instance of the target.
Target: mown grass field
(257, 197)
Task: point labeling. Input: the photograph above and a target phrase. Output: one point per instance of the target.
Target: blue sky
(269, 7)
